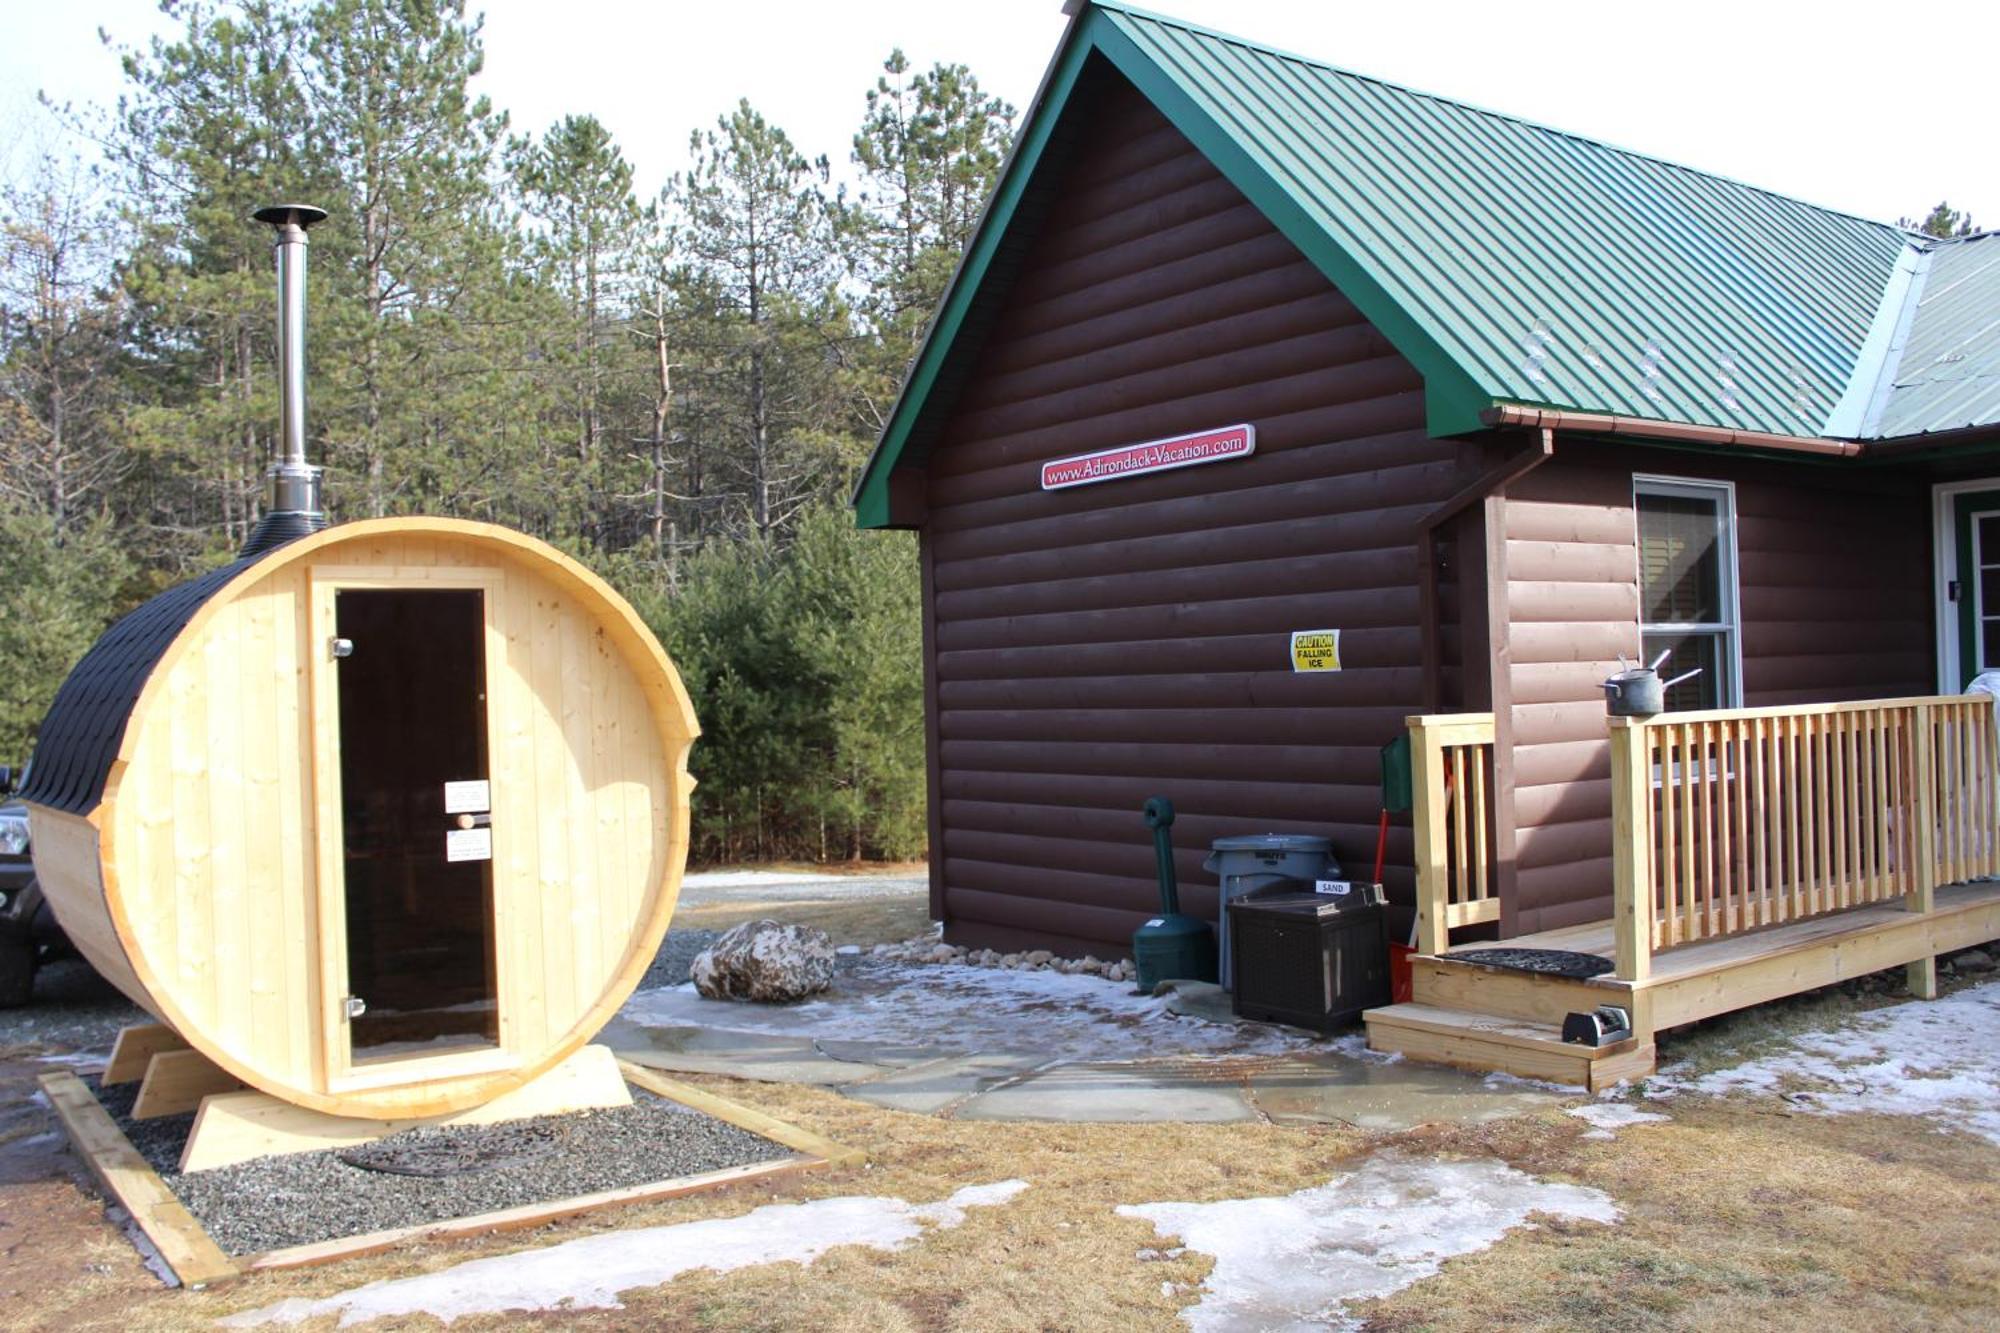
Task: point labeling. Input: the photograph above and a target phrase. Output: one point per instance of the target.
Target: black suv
(29, 935)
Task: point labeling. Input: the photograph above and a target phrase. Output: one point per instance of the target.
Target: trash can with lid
(1313, 960)
(1250, 862)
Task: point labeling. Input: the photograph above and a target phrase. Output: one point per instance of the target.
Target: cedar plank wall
(1100, 645)
(1835, 577)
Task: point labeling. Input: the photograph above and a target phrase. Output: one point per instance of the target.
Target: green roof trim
(1453, 399)
(1515, 263)
(871, 492)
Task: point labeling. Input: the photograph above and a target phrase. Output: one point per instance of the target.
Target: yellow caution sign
(1315, 650)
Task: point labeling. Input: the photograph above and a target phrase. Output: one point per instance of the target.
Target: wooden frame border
(197, 1261)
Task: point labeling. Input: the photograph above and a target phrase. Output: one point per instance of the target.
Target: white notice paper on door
(468, 844)
(467, 798)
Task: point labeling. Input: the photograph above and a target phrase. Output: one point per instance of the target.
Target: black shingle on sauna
(80, 736)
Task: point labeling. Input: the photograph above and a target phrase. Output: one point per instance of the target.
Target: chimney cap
(290, 215)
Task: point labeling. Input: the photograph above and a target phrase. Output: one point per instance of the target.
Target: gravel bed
(73, 1009)
(300, 1198)
(677, 951)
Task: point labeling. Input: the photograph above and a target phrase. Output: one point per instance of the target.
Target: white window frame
(1730, 627)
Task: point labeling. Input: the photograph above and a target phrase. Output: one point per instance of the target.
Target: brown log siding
(1835, 578)
(1097, 646)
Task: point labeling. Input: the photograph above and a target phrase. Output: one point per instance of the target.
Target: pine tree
(1943, 221)
(406, 360)
(208, 131)
(761, 260)
(930, 148)
(62, 349)
(576, 188)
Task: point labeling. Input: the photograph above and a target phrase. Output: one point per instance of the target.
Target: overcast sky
(1880, 112)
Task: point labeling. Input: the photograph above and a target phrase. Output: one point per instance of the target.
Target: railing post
(1427, 821)
(1923, 842)
(1631, 848)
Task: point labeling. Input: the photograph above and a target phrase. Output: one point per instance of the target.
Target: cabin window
(1687, 587)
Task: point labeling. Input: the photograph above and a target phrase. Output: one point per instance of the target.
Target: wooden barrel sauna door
(411, 690)
(411, 931)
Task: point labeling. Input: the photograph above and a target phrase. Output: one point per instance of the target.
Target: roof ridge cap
(1858, 413)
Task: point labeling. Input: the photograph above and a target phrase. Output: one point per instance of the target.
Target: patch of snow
(1500, 1080)
(149, 1253)
(716, 885)
(746, 879)
(75, 1059)
(1603, 1117)
(1064, 1016)
(1296, 1262)
(1939, 1059)
(588, 1273)
(1354, 1045)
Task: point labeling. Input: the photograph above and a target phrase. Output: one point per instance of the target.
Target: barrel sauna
(385, 821)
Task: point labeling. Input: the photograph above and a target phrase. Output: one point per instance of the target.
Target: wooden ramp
(1487, 1018)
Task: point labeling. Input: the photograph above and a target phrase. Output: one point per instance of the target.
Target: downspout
(1495, 478)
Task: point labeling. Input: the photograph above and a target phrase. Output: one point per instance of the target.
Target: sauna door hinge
(340, 647)
(352, 1007)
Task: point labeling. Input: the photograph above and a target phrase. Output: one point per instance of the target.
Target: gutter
(1495, 478)
(1550, 418)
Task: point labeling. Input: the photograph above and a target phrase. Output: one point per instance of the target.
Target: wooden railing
(1451, 779)
(1725, 821)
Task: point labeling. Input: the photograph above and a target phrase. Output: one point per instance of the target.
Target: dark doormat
(1549, 962)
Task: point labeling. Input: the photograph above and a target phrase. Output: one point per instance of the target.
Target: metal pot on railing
(1638, 691)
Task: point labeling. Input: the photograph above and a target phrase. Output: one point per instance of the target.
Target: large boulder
(766, 961)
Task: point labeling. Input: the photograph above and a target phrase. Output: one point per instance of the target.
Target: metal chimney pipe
(295, 508)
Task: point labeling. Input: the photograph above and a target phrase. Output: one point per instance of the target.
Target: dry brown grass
(1735, 1218)
(862, 921)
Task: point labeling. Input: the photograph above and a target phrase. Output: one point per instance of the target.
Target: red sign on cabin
(1209, 446)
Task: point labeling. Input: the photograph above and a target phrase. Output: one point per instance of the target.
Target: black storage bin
(1308, 959)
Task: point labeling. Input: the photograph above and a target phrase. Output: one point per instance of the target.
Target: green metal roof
(1946, 374)
(1511, 262)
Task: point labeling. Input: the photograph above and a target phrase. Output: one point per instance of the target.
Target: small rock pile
(930, 949)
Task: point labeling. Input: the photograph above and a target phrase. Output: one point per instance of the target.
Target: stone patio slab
(1385, 1095)
(686, 1050)
(927, 1089)
(1185, 1090)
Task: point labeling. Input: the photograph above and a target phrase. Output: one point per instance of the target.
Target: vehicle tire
(17, 973)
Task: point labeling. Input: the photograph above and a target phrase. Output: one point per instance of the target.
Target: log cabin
(1249, 351)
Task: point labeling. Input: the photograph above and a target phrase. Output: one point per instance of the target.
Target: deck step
(1447, 982)
(1489, 1042)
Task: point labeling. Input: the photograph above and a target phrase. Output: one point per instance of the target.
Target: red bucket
(1400, 985)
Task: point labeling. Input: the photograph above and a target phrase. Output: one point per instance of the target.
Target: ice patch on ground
(75, 1059)
(781, 885)
(588, 1274)
(1297, 1262)
(1500, 1080)
(1063, 1016)
(747, 879)
(1939, 1059)
(1604, 1117)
